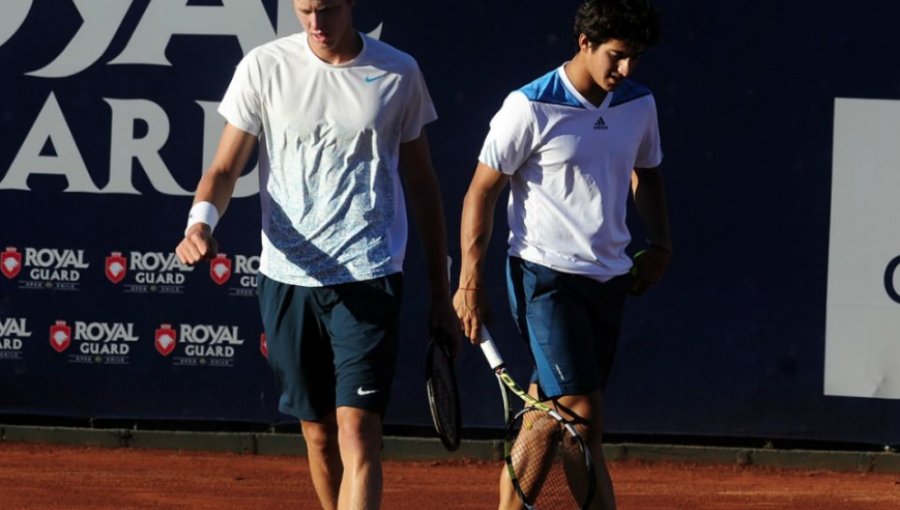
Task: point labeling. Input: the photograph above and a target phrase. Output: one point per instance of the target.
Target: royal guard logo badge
(116, 267)
(166, 338)
(263, 346)
(60, 336)
(220, 269)
(10, 262)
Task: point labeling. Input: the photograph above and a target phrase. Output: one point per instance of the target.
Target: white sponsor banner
(57, 121)
(862, 335)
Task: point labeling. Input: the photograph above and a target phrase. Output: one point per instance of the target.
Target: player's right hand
(198, 245)
(471, 308)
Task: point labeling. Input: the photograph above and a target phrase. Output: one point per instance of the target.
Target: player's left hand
(649, 267)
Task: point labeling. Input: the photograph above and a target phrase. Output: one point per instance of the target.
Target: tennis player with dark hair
(339, 118)
(571, 145)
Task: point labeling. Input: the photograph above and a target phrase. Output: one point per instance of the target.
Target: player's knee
(586, 411)
(359, 430)
(319, 437)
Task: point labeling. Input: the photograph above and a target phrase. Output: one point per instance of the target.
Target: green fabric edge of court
(428, 449)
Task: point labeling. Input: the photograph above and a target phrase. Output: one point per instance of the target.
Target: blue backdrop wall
(107, 115)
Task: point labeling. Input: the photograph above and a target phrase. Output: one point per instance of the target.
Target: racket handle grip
(489, 349)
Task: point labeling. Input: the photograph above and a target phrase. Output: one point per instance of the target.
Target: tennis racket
(443, 394)
(440, 385)
(547, 459)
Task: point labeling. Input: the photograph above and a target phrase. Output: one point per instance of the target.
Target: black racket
(443, 394)
(547, 459)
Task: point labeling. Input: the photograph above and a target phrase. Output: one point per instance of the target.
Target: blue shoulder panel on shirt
(628, 91)
(550, 89)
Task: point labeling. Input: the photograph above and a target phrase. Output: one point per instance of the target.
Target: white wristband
(203, 212)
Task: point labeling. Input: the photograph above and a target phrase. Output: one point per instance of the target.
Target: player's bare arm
(650, 202)
(475, 233)
(424, 199)
(216, 187)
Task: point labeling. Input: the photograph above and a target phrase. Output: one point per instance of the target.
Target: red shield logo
(10, 263)
(263, 346)
(220, 269)
(116, 267)
(60, 336)
(166, 338)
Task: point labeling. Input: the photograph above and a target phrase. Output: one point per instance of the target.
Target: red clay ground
(50, 477)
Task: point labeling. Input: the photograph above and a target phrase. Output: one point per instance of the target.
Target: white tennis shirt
(333, 209)
(570, 164)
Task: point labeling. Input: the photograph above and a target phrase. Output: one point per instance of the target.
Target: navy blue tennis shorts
(332, 346)
(571, 323)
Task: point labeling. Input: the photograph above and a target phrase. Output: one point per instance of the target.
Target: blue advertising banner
(107, 110)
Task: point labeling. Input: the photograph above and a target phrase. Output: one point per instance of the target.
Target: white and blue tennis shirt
(570, 164)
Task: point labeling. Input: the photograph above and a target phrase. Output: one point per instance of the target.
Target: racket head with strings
(443, 392)
(548, 462)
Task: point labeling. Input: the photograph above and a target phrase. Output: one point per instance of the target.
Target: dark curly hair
(634, 21)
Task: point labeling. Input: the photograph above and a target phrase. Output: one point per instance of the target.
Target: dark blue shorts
(571, 323)
(332, 346)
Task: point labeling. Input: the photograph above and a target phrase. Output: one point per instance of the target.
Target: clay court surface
(50, 477)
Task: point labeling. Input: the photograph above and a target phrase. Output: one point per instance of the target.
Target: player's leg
(360, 438)
(519, 287)
(587, 412)
(324, 458)
(572, 325)
(603, 305)
(362, 322)
(509, 499)
(606, 305)
(302, 361)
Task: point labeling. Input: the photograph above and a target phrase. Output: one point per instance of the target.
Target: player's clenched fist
(198, 245)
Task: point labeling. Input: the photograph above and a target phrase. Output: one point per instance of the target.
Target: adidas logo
(600, 124)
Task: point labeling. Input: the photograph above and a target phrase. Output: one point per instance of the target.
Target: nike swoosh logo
(362, 393)
(370, 79)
